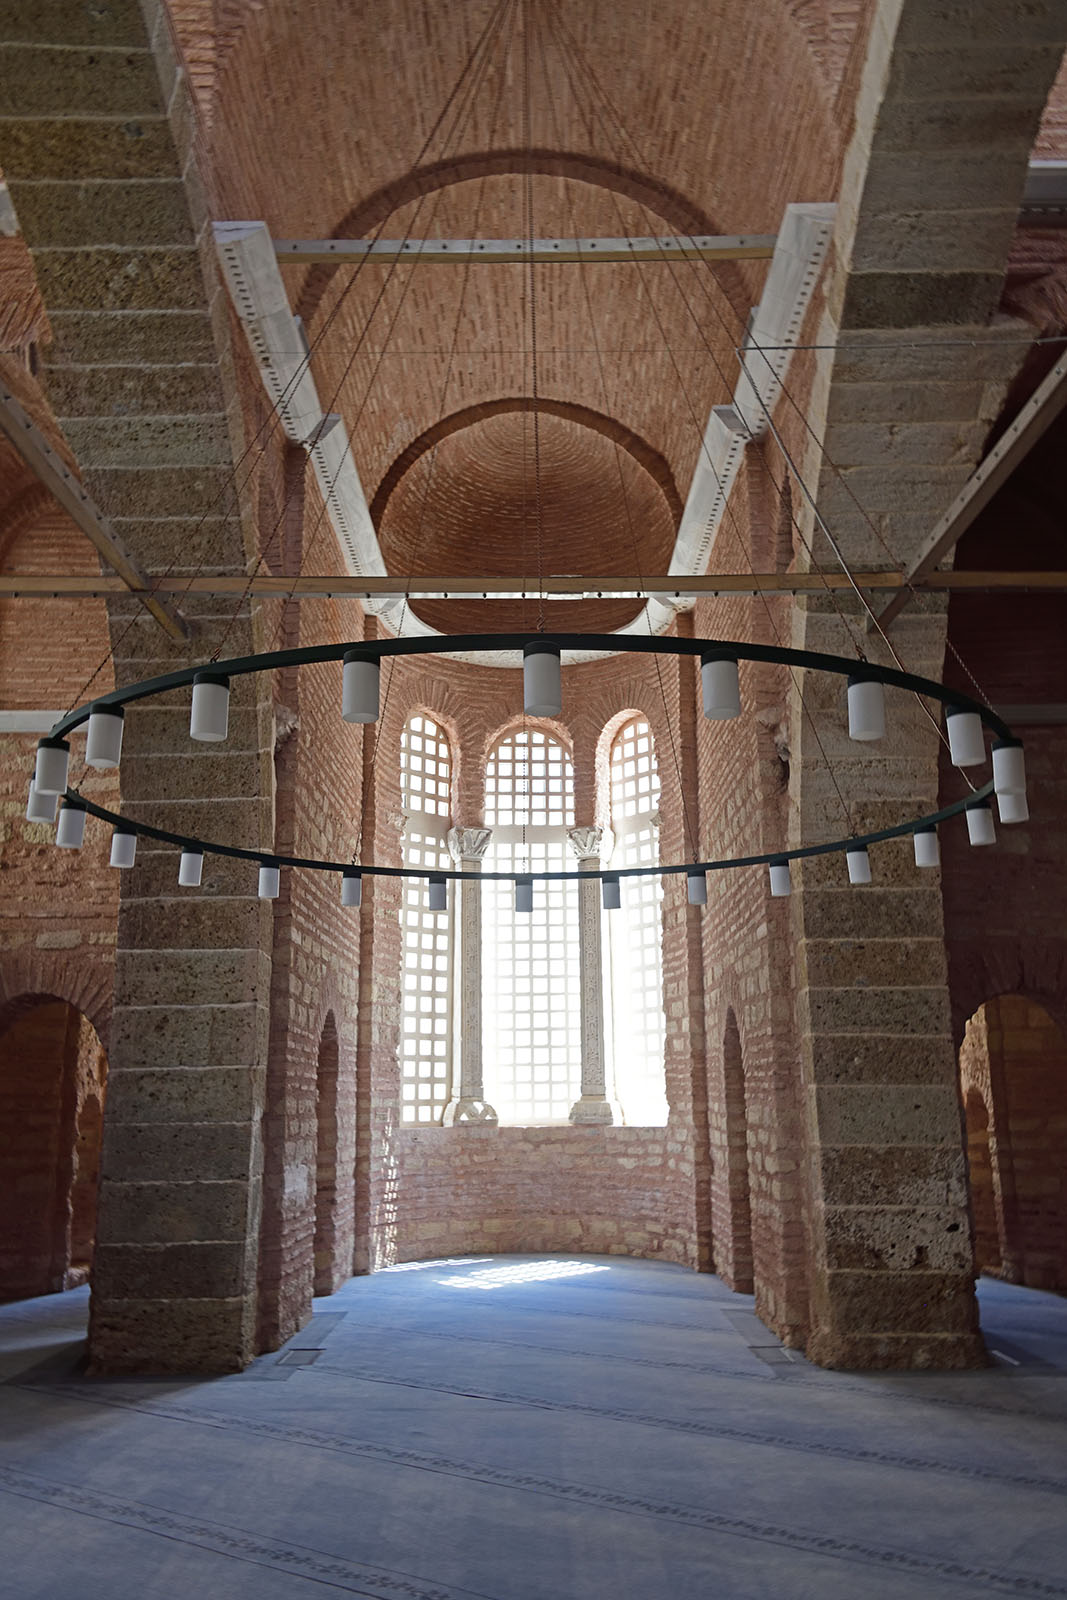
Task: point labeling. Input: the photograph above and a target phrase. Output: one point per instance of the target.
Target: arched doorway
(1013, 1082)
(740, 1274)
(53, 1077)
(327, 1277)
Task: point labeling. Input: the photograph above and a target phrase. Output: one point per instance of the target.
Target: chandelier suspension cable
(709, 276)
(510, 9)
(406, 281)
(792, 468)
(231, 488)
(528, 143)
(597, 89)
(726, 501)
(459, 124)
(583, 276)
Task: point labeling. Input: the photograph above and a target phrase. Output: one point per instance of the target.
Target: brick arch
(571, 411)
(684, 215)
(27, 506)
(1035, 971)
(27, 980)
(516, 724)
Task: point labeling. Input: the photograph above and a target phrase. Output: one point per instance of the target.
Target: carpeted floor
(526, 1428)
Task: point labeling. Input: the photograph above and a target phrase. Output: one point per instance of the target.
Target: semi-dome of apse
(464, 502)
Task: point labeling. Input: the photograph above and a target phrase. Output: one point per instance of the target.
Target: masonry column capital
(586, 842)
(469, 844)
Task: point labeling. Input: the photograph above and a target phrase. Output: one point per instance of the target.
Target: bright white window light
(70, 829)
(209, 714)
(866, 709)
(524, 896)
(437, 893)
(542, 679)
(426, 1005)
(190, 869)
(781, 883)
(531, 997)
(270, 879)
(696, 884)
(611, 893)
(980, 829)
(53, 762)
(966, 742)
(720, 688)
(351, 887)
(123, 848)
(103, 746)
(859, 866)
(633, 939)
(1013, 808)
(927, 848)
(41, 807)
(359, 687)
(1009, 768)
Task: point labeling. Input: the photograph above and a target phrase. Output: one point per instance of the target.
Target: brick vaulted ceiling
(612, 117)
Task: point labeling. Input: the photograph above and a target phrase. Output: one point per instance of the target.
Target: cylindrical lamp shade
(209, 716)
(966, 743)
(696, 885)
(1009, 768)
(103, 747)
(866, 709)
(980, 829)
(524, 895)
(611, 893)
(859, 866)
(41, 807)
(70, 829)
(437, 896)
(781, 883)
(123, 848)
(720, 687)
(190, 869)
(360, 679)
(53, 761)
(1013, 808)
(352, 889)
(542, 680)
(269, 883)
(927, 848)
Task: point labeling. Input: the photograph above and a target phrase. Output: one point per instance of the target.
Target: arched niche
(53, 1078)
(1013, 1086)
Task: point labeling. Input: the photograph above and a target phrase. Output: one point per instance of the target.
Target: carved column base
(466, 1110)
(594, 1108)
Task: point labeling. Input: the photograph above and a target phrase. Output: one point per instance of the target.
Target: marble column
(593, 1105)
(468, 847)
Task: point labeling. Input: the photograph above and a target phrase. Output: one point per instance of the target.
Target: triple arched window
(531, 967)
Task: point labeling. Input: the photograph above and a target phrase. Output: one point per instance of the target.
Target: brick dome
(467, 503)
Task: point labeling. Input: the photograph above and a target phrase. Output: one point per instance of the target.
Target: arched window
(633, 945)
(530, 964)
(426, 1033)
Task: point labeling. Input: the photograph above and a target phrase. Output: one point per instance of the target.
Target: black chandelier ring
(965, 717)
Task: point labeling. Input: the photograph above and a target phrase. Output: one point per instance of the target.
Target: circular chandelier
(966, 721)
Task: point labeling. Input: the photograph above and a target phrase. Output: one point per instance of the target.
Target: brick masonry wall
(595, 1191)
(1013, 1077)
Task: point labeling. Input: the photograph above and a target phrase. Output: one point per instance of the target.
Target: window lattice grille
(426, 1028)
(634, 933)
(530, 965)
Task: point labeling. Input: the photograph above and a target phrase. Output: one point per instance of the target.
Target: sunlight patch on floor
(523, 1272)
